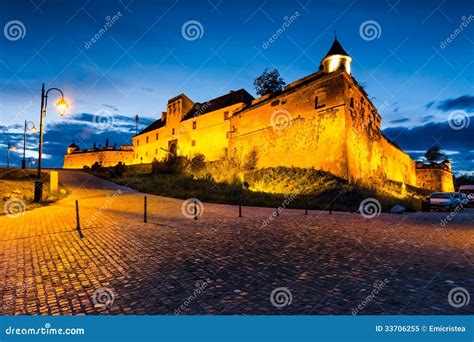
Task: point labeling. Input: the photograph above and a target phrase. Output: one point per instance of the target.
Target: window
(193, 143)
(138, 142)
(315, 102)
(352, 102)
(194, 124)
(146, 140)
(156, 152)
(156, 136)
(226, 115)
(172, 131)
(146, 154)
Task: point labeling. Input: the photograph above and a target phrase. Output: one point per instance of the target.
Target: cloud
(465, 102)
(84, 129)
(402, 120)
(459, 144)
(115, 109)
(429, 105)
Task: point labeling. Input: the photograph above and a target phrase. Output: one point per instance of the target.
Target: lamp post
(33, 130)
(10, 148)
(62, 107)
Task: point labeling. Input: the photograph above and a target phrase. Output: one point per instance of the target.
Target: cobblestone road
(222, 264)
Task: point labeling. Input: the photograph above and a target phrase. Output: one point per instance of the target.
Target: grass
(19, 184)
(268, 187)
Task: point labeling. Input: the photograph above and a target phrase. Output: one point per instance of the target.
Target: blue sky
(412, 74)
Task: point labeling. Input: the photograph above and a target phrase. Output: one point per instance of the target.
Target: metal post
(145, 211)
(195, 211)
(39, 182)
(276, 206)
(23, 162)
(240, 204)
(78, 227)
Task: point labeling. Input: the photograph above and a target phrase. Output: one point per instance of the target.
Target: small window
(193, 143)
(194, 124)
(138, 142)
(156, 152)
(156, 136)
(146, 154)
(352, 102)
(315, 102)
(172, 131)
(226, 115)
(146, 140)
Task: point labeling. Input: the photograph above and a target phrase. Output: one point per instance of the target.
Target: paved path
(222, 264)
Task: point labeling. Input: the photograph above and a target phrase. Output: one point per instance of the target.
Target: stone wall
(436, 179)
(77, 160)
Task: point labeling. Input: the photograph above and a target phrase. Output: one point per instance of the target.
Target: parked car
(458, 199)
(468, 190)
(442, 200)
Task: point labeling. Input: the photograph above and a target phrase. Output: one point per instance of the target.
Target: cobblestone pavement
(221, 264)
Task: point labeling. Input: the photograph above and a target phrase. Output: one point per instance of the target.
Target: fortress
(324, 121)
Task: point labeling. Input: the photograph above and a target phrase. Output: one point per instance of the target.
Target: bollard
(195, 211)
(330, 208)
(240, 205)
(78, 222)
(144, 211)
(276, 206)
(306, 206)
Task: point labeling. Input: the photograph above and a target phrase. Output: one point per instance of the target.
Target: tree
(268, 82)
(434, 154)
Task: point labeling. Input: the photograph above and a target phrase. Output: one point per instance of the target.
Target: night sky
(421, 81)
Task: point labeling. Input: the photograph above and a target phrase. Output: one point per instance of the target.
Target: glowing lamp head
(33, 129)
(62, 106)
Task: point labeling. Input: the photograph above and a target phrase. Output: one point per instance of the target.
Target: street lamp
(10, 148)
(32, 130)
(62, 106)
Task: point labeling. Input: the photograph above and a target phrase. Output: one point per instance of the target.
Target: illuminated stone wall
(339, 132)
(436, 177)
(77, 160)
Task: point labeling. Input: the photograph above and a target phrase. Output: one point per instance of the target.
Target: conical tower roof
(336, 49)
